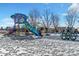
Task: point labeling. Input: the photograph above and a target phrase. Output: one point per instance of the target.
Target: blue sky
(7, 9)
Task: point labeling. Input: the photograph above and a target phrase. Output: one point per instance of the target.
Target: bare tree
(46, 19)
(71, 18)
(55, 20)
(34, 16)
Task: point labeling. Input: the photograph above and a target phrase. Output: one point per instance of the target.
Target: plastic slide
(32, 29)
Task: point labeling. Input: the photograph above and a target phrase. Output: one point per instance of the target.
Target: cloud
(74, 7)
(6, 22)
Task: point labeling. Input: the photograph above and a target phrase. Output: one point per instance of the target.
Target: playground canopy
(19, 18)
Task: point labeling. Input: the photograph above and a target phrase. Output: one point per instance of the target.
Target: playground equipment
(22, 19)
(69, 34)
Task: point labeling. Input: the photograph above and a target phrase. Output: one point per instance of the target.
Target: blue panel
(32, 29)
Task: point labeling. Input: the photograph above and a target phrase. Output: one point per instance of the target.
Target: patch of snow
(54, 34)
(3, 50)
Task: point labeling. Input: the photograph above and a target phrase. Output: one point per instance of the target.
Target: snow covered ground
(49, 46)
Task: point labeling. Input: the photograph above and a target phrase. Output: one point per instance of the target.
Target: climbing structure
(18, 19)
(69, 34)
(22, 19)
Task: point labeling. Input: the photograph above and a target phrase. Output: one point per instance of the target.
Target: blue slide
(32, 29)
